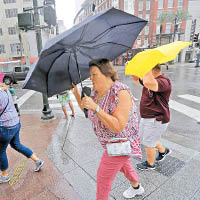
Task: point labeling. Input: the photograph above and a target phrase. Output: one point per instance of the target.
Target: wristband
(97, 109)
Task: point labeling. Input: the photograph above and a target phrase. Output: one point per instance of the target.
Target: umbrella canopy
(144, 61)
(105, 35)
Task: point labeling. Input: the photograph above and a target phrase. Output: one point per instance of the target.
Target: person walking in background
(14, 97)
(155, 115)
(64, 97)
(112, 110)
(9, 134)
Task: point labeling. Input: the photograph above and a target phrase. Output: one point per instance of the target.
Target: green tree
(177, 17)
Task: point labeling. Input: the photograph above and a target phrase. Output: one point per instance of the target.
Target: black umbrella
(65, 58)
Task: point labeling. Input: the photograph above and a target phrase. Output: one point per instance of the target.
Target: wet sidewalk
(76, 152)
(25, 184)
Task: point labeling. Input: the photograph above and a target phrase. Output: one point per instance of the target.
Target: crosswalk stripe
(24, 98)
(186, 110)
(53, 98)
(58, 105)
(190, 97)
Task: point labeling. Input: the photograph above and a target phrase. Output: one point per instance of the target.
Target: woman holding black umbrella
(111, 108)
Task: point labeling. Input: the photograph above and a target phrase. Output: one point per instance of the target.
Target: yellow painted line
(30, 127)
(17, 173)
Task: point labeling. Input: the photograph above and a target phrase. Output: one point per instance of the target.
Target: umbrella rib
(82, 35)
(107, 30)
(98, 36)
(85, 54)
(99, 45)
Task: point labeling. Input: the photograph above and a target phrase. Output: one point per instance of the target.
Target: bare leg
(151, 154)
(160, 148)
(135, 184)
(34, 158)
(65, 112)
(71, 107)
(4, 173)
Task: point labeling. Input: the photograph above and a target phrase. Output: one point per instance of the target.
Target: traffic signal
(49, 15)
(49, 2)
(197, 44)
(196, 36)
(25, 20)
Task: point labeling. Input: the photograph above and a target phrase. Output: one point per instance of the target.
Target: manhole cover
(169, 166)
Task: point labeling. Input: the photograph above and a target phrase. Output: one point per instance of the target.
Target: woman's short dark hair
(157, 68)
(105, 66)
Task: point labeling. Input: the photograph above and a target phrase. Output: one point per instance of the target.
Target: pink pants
(108, 169)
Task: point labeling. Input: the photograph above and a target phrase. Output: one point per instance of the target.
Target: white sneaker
(38, 165)
(131, 192)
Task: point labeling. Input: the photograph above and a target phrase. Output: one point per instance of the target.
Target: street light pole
(46, 112)
(175, 29)
(84, 7)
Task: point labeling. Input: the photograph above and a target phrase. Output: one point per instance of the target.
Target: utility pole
(46, 112)
(86, 5)
(198, 57)
(175, 38)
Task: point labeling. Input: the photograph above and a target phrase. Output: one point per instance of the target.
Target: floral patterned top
(109, 103)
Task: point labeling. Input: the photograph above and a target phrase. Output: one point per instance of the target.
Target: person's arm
(135, 79)
(77, 96)
(118, 120)
(3, 86)
(150, 82)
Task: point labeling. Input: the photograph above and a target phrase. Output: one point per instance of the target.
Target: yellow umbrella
(172, 50)
(144, 61)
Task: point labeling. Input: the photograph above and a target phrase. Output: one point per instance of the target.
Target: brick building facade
(150, 36)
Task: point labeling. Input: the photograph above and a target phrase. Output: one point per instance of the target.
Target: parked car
(193, 60)
(18, 74)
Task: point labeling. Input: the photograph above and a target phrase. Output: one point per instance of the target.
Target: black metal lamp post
(46, 112)
(86, 5)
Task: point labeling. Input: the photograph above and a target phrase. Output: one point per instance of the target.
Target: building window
(9, 1)
(140, 16)
(140, 6)
(170, 3)
(1, 32)
(15, 48)
(11, 12)
(11, 30)
(148, 5)
(2, 48)
(147, 17)
(146, 42)
(160, 4)
(168, 28)
(146, 30)
(129, 6)
(115, 3)
(158, 15)
(139, 42)
(180, 3)
(52, 31)
(28, 0)
(179, 28)
(157, 28)
(41, 11)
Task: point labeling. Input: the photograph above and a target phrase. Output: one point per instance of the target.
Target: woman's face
(97, 78)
